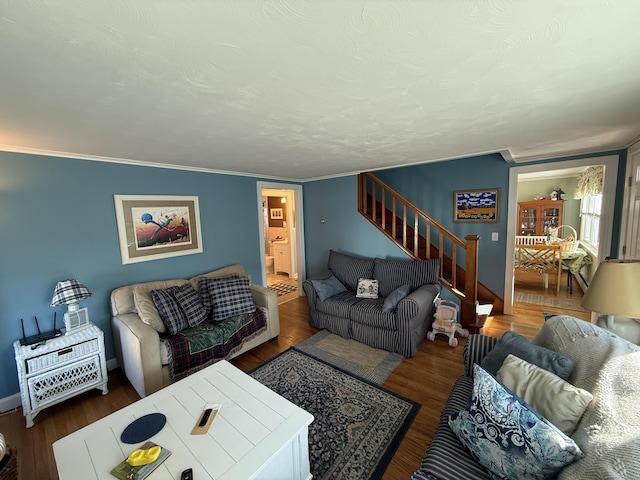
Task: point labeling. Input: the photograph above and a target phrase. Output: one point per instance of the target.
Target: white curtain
(590, 182)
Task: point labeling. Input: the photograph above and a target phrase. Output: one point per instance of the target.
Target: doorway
(606, 225)
(280, 221)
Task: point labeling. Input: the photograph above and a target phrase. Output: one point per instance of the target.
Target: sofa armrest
(138, 352)
(263, 297)
(414, 315)
(475, 349)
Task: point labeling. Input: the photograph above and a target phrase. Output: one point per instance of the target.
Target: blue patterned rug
(357, 425)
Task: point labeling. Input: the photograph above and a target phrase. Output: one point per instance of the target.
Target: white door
(630, 249)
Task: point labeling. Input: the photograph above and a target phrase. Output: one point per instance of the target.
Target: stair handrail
(470, 244)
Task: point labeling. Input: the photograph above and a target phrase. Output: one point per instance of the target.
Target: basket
(9, 465)
(567, 244)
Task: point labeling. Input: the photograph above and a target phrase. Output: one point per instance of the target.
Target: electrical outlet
(494, 236)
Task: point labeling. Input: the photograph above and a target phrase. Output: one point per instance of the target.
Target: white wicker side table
(60, 369)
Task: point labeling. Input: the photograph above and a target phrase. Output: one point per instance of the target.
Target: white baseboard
(14, 401)
(10, 403)
(112, 364)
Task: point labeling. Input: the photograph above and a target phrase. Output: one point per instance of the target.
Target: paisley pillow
(507, 436)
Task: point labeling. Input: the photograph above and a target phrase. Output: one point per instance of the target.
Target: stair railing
(422, 237)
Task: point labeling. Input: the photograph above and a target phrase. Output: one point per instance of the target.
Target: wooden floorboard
(425, 378)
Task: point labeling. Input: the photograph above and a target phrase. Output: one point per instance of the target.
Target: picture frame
(152, 227)
(276, 213)
(479, 205)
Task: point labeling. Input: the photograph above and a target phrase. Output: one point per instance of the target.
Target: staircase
(421, 237)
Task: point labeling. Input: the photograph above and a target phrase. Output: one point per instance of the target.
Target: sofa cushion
(446, 457)
(509, 438)
(516, 344)
(392, 300)
(369, 312)
(339, 305)
(367, 288)
(204, 289)
(191, 305)
(145, 307)
(392, 274)
(556, 400)
(328, 287)
(231, 296)
(350, 269)
(169, 309)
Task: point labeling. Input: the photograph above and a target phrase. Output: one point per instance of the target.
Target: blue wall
(430, 187)
(344, 230)
(58, 218)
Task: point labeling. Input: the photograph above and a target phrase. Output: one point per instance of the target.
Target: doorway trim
(629, 227)
(606, 220)
(298, 218)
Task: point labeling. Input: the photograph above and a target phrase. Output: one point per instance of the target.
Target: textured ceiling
(312, 89)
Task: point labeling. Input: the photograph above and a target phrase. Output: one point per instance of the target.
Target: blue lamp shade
(69, 292)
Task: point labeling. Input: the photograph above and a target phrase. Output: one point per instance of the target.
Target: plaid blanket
(197, 347)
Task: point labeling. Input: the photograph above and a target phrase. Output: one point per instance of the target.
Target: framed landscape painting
(476, 205)
(151, 227)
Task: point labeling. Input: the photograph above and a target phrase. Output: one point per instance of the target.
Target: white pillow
(367, 288)
(549, 395)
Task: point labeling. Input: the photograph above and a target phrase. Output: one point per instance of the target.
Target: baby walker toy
(446, 322)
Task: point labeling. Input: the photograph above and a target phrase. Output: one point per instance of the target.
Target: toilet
(269, 263)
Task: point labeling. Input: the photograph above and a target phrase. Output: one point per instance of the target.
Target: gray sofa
(399, 316)
(608, 433)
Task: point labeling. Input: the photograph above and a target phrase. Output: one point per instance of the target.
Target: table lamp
(69, 292)
(614, 290)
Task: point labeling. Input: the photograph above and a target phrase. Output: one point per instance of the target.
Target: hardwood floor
(425, 378)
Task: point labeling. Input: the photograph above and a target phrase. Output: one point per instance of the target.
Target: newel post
(468, 310)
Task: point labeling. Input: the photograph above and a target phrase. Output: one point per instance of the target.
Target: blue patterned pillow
(509, 438)
(191, 305)
(205, 293)
(231, 297)
(169, 309)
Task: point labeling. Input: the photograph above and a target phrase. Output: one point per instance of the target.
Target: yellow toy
(445, 321)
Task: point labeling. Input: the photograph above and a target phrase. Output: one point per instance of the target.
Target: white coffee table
(256, 435)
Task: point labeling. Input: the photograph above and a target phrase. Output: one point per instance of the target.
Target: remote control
(205, 417)
(187, 474)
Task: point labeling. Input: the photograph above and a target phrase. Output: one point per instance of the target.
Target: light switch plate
(494, 236)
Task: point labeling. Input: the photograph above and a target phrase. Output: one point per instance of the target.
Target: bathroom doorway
(281, 238)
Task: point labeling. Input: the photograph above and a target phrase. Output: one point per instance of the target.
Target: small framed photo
(276, 213)
(476, 205)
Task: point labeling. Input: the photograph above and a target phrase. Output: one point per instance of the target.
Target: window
(590, 207)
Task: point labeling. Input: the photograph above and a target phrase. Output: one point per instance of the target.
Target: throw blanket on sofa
(608, 367)
(197, 347)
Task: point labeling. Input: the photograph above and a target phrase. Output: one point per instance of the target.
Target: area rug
(356, 358)
(357, 425)
(549, 301)
(282, 288)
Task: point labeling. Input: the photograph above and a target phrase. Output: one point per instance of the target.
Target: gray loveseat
(399, 316)
(608, 433)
